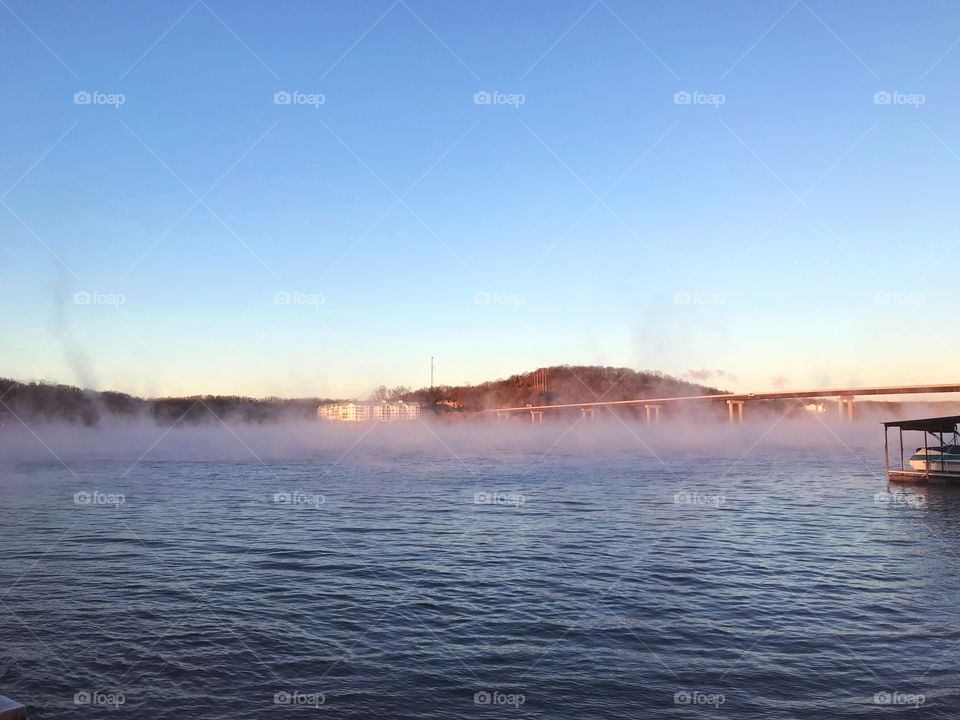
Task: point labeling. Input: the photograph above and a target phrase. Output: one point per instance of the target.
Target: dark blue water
(576, 584)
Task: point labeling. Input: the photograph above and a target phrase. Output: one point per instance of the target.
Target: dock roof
(933, 425)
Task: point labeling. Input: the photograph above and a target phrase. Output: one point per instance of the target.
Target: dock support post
(886, 451)
(536, 416)
(902, 464)
(656, 413)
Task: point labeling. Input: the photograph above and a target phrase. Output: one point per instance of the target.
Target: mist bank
(473, 444)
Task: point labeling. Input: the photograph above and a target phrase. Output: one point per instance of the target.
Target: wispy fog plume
(703, 374)
(61, 326)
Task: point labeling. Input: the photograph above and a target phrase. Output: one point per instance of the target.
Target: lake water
(542, 573)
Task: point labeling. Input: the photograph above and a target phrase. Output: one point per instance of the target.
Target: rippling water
(540, 580)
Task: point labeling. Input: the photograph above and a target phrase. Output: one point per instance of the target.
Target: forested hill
(48, 402)
(564, 384)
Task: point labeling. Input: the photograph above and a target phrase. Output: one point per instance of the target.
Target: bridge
(735, 401)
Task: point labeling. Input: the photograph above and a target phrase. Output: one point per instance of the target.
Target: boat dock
(920, 476)
(11, 709)
(932, 465)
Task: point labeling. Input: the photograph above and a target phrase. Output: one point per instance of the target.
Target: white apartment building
(364, 411)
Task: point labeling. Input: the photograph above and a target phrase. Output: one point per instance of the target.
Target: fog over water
(230, 439)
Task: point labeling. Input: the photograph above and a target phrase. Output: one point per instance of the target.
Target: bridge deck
(777, 395)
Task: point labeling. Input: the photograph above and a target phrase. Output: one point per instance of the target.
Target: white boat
(937, 459)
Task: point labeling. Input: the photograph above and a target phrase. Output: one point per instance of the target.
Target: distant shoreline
(48, 402)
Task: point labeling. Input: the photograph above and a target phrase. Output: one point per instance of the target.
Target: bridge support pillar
(656, 415)
(848, 401)
(536, 416)
(739, 405)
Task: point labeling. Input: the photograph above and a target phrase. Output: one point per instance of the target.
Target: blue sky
(764, 189)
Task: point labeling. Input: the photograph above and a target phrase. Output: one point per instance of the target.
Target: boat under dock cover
(11, 709)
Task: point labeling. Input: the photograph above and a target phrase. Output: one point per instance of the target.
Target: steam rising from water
(74, 355)
(468, 441)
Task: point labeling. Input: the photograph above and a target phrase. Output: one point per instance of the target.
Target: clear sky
(762, 194)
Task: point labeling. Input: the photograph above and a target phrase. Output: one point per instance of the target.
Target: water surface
(539, 580)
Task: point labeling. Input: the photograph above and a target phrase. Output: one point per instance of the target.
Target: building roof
(370, 403)
(944, 424)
